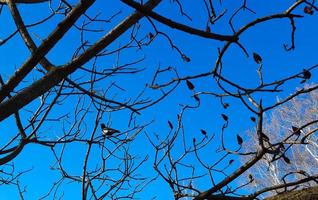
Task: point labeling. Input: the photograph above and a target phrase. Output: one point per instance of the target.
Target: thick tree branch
(179, 26)
(233, 176)
(44, 48)
(56, 75)
(47, 65)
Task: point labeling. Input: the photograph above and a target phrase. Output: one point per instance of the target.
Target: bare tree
(58, 101)
(303, 158)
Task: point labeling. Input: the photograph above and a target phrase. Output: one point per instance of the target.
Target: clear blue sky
(267, 39)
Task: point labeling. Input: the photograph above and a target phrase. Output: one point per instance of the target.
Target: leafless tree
(58, 102)
(283, 121)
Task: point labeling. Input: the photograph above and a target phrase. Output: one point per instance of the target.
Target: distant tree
(89, 87)
(302, 155)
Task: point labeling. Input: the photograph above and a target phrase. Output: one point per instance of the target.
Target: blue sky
(266, 39)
